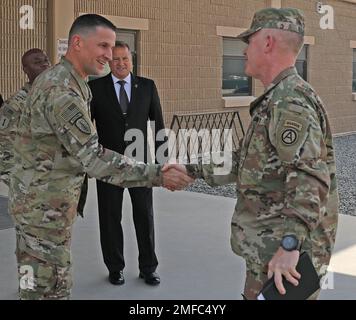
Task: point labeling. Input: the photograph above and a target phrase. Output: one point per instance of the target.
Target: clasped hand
(175, 177)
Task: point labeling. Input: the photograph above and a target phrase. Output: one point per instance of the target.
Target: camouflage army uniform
(57, 144)
(9, 118)
(286, 180)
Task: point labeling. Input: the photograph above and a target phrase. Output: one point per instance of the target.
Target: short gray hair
(122, 44)
(287, 40)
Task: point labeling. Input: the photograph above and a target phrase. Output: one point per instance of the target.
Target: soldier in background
(285, 167)
(57, 144)
(34, 62)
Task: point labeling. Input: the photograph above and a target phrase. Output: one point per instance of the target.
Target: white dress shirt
(127, 86)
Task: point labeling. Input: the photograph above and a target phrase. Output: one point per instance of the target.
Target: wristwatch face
(289, 243)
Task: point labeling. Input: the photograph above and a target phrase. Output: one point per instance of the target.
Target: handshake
(175, 177)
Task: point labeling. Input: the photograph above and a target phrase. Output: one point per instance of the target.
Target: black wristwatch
(290, 243)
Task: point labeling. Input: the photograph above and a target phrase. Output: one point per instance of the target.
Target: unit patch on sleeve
(74, 116)
(5, 117)
(289, 136)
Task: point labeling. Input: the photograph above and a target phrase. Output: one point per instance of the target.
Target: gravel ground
(345, 148)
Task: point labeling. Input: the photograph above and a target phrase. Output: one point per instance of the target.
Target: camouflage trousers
(256, 276)
(42, 277)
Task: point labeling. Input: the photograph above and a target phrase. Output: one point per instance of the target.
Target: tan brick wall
(181, 50)
(14, 41)
(330, 60)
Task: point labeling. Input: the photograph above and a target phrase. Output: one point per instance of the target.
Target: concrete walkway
(195, 259)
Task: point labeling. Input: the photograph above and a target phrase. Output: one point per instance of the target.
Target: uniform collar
(281, 76)
(80, 81)
(284, 74)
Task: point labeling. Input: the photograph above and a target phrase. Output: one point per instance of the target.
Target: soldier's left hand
(282, 264)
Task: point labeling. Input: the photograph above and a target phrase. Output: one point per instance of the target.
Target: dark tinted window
(234, 80)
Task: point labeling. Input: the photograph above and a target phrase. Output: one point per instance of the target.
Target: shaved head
(287, 41)
(88, 23)
(34, 62)
(29, 53)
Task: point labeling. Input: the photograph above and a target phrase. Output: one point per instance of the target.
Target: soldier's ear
(76, 41)
(269, 43)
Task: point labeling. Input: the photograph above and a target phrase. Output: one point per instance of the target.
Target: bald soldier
(285, 167)
(57, 144)
(34, 62)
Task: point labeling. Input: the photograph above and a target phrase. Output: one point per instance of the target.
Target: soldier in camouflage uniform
(285, 167)
(57, 144)
(34, 62)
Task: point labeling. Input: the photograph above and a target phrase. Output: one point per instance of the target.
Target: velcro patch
(4, 122)
(71, 114)
(5, 117)
(293, 124)
(83, 125)
(289, 136)
(74, 116)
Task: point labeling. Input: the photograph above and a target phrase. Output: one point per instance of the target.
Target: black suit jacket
(1, 101)
(111, 124)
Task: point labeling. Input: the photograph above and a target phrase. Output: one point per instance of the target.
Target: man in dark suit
(122, 101)
(1, 100)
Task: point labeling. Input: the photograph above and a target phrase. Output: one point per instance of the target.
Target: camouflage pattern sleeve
(8, 128)
(216, 174)
(296, 134)
(71, 122)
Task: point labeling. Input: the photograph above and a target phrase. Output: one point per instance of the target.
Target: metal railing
(213, 126)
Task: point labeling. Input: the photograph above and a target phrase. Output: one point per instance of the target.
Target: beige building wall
(181, 50)
(330, 60)
(14, 41)
(180, 47)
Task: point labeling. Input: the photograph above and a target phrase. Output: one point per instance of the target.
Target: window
(301, 64)
(129, 36)
(234, 80)
(354, 71)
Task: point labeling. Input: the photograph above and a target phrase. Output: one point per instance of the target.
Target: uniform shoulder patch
(289, 136)
(6, 115)
(293, 124)
(4, 122)
(73, 115)
(83, 125)
(290, 131)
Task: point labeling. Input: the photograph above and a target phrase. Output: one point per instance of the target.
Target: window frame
(305, 62)
(235, 57)
(353, 70)
(133, 50)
